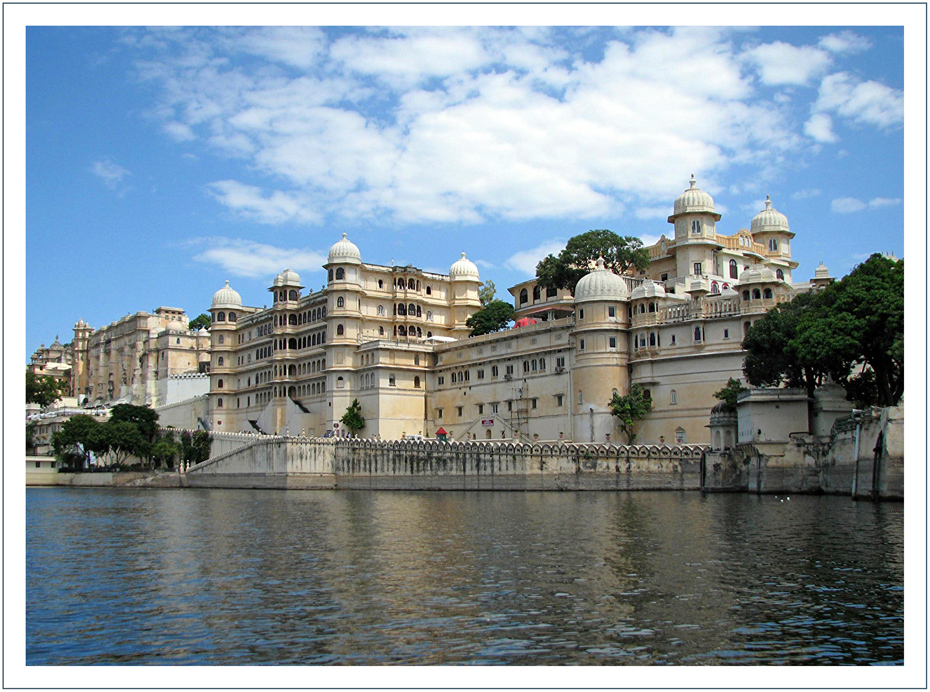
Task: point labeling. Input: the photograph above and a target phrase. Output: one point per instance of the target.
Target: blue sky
(160, 162)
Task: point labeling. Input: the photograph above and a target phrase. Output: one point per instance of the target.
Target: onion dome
(757, 275)
(648, 289)
(344, 252)
(601, 284)
(694, 200)
(203, 332)
(175, 326)
(769, 221)
(226, 298)
(821, 272)
(463, 270)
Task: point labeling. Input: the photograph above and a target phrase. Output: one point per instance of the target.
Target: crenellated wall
(271, 461)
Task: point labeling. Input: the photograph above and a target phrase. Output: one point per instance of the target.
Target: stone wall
(250, 461)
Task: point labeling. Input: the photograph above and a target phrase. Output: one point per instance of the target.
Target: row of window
(530, 366)
(537, 293)
(295, 319)
(369, 380)
(223, 316)
(281, 296)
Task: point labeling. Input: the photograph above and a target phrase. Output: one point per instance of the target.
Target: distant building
(395, 339)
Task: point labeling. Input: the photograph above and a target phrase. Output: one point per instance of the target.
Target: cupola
(463, 270)
(648, 289)
(344, 252)
(226, 298)
(601, 284)
(695, 200)
(769, 220)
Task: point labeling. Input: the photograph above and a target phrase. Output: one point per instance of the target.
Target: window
(696, 227)
(664, 277)
(613, 342)
(380, 283)
(480, 409)
(767, 294)
(526, 366)
(438, 411)
(726, 333)
(442, 380)
(524, 296)
(756, 294)
(733, 269)
(580, 397)
(560, 362)
(559, 400)
(411, 309)
(535, 365)
(220, 361)
(494, 407)
(416, 358)
(380, 331)
(534, 403)
(779, 274)
(340, 330)
(392, 382)
(340, 302)
(535, 293)
(340, 274)
(647, 394)
(773, 245)
(330, 274)
(458, 410)
(697, 269)
(429, 316)
(429, 291)
(292, 320)
(481, 374)
(416, 382)
(542, 363)
(551, 293)
(509, 370)
(219, 383)
(673, 397)
(581, 314)
(510, 405)
(652, 338)
(219, 402)
(581, 344)
(673, 340)
(221, 317)
(697, 334)
(714, 287)
(611, 311)
(494, 371)
(745, 295)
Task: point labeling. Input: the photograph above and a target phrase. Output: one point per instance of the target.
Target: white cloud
(250, 259)
(252, 203)
(110, 173)
(880, 202)
(869, 103)
(847, 205)
(652, 213)
(526, 260)
(805, 194)
(783, 63)
(845, 42)
(820, 128)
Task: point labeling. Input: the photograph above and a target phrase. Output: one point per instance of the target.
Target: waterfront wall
(250, 461)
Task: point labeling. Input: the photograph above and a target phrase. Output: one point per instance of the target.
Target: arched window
(402, 330)
(292, 344)
(330, 274)
(221, 317)
(494, 371)
(220, 361)
(419, 332)
(392, 381)
(779, 274)
(419, 312)
(696, 227)
(293, 295)
(292, 370)
(714, 287)
(340, 330)
(380, 283)
(380, 331)
(697, 333)
(745, 295)
(411, 284)
(542, 363)
(411, 309)
(401, 309)
(535, 293)
(380, 311)
(221, 339)
(219, 402)
(416, 382)
(292, 320)
(733, 269)
(535, 364)
(673, 397)
(551, 292)
(756, 294)
(773, 244)
(652, 307)
(429, 291)
(340, 383)
(429, 335)
(340, 273)
(219, 383)
(429, 316)
(340, 302)
(524, 296)
(652, 338)
(526, 366)
(767, 293)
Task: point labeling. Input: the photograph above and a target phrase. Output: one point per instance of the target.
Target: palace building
(395, 339)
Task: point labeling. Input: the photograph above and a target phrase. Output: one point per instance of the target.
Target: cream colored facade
(132, 360)
(395, 339)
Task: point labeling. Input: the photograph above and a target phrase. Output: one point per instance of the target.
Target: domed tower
(80, 360)
(601, 351)
(465, 302)
(695, 232)
(822, 277)
(224, 310)
(344, 271)
(770, 229)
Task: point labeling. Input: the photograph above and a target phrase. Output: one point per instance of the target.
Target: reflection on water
(210, 577)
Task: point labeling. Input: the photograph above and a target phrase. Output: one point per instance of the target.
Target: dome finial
(768, 202)
(693, 181)
(600, 263)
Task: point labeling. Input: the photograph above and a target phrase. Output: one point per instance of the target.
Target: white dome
(175, 326)
(769, 220)
(463, 270)
(821, 272)
(694, 200)
(290, 278)
(203, 332)
(601, 284)
(648, 289)
(757, 275)
(226, 298)
(345, 252)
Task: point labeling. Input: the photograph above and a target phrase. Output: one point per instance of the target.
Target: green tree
(125, 439)
(163, 451)
(495, 316)
(352, 418)
(143, 417)
(486, 292)
(201, 442)
(630, 408)
(44, 389)
(202, 320)
(30, 435)
(851, 332)
(620, 254)
(730, 393)
(79, 437)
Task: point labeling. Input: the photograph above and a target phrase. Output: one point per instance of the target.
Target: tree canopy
(493, 317)
(729, 393)
(620, 254)
(486, 292)
(202, 320)
(630, 408)
(145, 418)
(44, 389)
(352, 418)
(851, 332)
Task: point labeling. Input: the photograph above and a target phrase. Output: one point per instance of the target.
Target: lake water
(207, 577)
